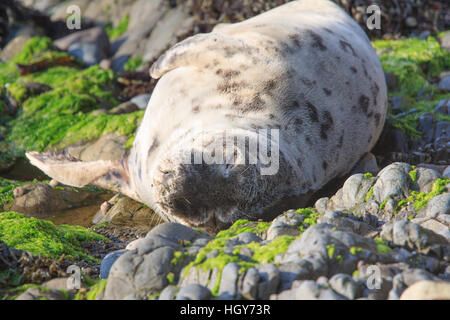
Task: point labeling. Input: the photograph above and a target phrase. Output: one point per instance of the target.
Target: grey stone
(393, 182)
(447, 172)
(141, 274)
(89, 54)
(141, 101)
(444, 84)
(425, 179)
(228, 284)
(169, 293)
(174, 24)
(445, 41)
(368, 163)
(125, 107)
(410, 235)
(108, 261)
(443, 107)
(36, 293)
(321, 205)
(391, 80)
(269, 280)
(250, 283)
(193, 292)
(426, 125)
(310, 290)
(407, 278)
(345, 286)
(175, 232)
(94, 36)
(345, 222)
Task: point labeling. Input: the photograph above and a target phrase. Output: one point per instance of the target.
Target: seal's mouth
(200, 195)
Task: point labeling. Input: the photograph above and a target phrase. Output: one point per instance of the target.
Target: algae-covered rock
(43, 237)
(65, 113)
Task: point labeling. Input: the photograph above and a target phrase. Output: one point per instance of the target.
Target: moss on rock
(43, 237)
(416, 63)
(65, 114)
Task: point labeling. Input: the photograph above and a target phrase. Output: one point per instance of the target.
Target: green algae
(261, 253)
(115, 32)
(43, 237)
(420, 199)
(413, 176)
(133, 63)
(369, 194)
(65, 114)
(6, 192)
(368, 175)
(382, 247)
(415, 63)
(311, 215)
(96, 289)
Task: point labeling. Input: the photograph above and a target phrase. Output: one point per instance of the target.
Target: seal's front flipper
(195, 50)
(112, 175)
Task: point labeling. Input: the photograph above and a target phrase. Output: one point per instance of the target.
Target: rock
(127, 212)
(393, 182)
(425, 179)
(407, 278)
(434, 226)
(411, 22)
(285, 224)
(445, 41)
(94, 36)
(426, 125)
(411, 235)
(391, 80)
(108, 261)
(344, 285)
(367, 164)
(141, 101)
(269, 280)
(38, 199)
(57, 284)
(126, 107)
(427, 290)
(329, 242)
(310, 290)
(134, 244)
(344, 222)
(447, 172)
(36, 293)
(107, 147)
(89, 54)
(105, 64)
(176, 232)
(141, 274)
(443, 107)
(228, 284)
(169, 293)
(250, 282)
(14, 47)
(444, 84)
(194, 292)
(176, 23)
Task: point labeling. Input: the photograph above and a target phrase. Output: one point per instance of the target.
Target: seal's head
(211, 182)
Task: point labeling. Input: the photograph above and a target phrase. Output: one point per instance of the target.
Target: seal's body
(305, 68)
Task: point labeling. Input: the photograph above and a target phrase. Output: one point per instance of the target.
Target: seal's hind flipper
(195, 50)
(112, 175)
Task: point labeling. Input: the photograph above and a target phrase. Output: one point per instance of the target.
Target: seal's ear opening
(112, 175)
